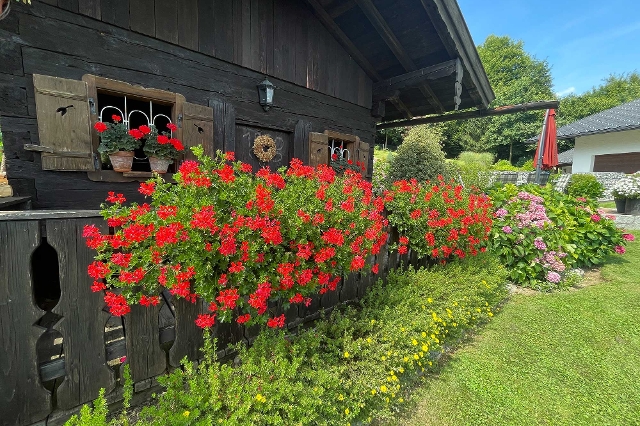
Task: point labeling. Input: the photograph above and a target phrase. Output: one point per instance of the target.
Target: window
(323, 145)
(67, 110)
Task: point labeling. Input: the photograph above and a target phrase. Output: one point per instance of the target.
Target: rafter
(511, 109)
(392, 41)
(386, 88)
(344, 40)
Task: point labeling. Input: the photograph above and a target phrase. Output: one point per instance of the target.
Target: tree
(387, 138)
(516, 77)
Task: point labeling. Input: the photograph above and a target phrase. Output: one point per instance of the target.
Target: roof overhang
(419, 54)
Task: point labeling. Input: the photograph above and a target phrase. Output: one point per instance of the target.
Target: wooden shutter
(363, 156)
(197, 129)
(64, 125)
(318, 149)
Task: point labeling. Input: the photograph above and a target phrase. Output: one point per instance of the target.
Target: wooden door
(245, 137)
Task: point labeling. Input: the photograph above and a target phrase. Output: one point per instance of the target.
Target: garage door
(628, 162)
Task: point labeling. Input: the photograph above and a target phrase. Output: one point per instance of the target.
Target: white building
(608, 141)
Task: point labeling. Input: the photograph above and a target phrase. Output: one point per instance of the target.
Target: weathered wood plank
(115, 12)
(83, 320)
(143, 18)
(188, 24)
(188, 336)
(166, 15)
(245, 28)
(70, 5)
(197, 129)
(224, 125)
(301, 141)
(265, 25)
(206, 24)
(144, 354)
(23, 400)
(223, 31)
(283, 41)
(90, 8)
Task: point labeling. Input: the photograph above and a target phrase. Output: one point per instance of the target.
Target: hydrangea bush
(540, 234)
(439, 219)
(236, 239)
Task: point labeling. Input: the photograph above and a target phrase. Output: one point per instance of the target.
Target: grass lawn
(569, 358)
(608, 204)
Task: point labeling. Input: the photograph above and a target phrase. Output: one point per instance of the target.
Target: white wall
(587, 147)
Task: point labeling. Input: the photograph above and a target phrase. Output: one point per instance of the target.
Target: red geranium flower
(172, 127)
(206, 320)
(100, 126)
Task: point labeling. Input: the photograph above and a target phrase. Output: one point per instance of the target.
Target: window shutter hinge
(179, 121)
(92, 105)
(96, 161)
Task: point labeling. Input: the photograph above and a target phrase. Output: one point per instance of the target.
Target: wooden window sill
(112, 176)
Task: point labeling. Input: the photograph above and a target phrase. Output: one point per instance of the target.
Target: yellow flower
(383, 388)
(347, 411)
(186, 413)
(430, 300)
(373, 392)
(341, 397)
(373, 321)
(414, 342)
(400, 400)
(415, 356)
(384, 358)
(401, 370)
(424, 334)
(368, 339)
(346, 354)
(261, 398)
(425, 348)
(490, 314)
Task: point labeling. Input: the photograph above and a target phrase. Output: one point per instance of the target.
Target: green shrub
(471, 175)
(419, 157)
(583, 185)
(482, 158)
(504, 166)
(380, 176)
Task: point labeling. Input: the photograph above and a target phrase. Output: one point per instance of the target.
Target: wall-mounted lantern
(265, 90)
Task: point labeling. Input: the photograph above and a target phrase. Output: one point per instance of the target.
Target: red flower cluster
(239, 240)
(444, 219)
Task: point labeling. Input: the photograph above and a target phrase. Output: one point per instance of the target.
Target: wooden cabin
(338, 67)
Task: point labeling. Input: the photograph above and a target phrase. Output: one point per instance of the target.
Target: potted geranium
(118, 143)
(162, 149)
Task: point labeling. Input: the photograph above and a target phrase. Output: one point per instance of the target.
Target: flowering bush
(439, 220)
(115, 136)
(236, 239)
(540, 234)
(627, 187)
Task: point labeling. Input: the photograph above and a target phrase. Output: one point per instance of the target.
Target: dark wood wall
(66, 40)
(280, 38)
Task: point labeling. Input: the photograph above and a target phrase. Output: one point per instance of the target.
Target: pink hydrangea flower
(628, 237)
(620, 250)
(501, 213)
(553, 277)
(595, 217)
(507, 229)
(539, 244)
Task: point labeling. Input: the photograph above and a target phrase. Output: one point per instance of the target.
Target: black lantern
(265, 90)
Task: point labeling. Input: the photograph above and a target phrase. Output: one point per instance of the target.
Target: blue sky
(584, 41)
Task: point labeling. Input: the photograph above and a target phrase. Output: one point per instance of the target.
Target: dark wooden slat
(166, 15)
(188, 24)
(237, 32)
(255, 60)
(245, 29)
(115, 12)
(301, 43)
(223, 125)
(188, 336)
(394, 44)
(143, 18)
(23, 400)
(144, 354)
(283, 41)
(206, 24)
(531, 106)
(82, 324)
(223, 31)
(301, 141)
(70, 5)
(341, 8)
(90, 8)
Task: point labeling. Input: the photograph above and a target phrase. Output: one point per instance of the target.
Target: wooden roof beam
(449, 23)
(342, 38)
(342, 8)
(386, 88)
(511, 109)
(392, 41)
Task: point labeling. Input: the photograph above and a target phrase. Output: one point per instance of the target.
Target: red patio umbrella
(549, 141)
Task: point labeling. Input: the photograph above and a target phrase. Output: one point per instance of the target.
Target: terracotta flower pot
(121, 161)
(159, 165)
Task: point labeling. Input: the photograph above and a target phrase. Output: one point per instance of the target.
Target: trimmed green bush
(587, 186)
(482, 158)
(419, 157)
